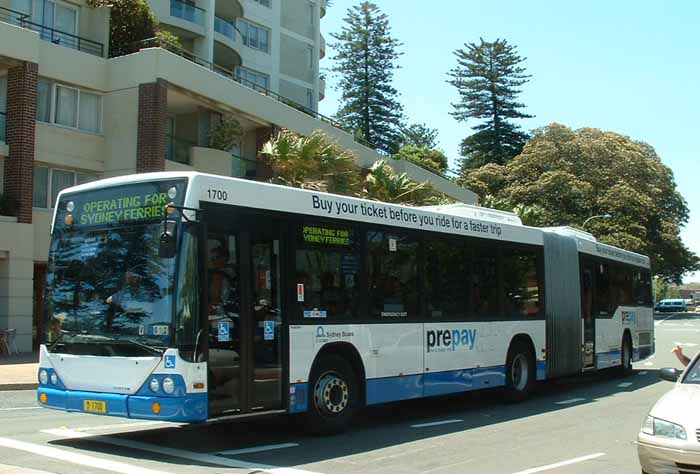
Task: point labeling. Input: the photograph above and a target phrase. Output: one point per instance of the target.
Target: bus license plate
(95, 406)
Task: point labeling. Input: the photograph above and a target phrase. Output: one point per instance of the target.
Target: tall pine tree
(488, 78)
(365, 61)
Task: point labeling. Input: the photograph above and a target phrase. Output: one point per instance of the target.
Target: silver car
(669, 441)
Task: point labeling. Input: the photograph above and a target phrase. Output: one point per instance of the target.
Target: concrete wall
(16, 279)
(296, 17)
(210, 160)
(68, 148)
(120, 120)
(294, 91)
(294, 58)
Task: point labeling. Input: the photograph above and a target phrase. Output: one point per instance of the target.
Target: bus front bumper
(188, 408)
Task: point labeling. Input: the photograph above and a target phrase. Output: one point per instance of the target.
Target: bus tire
(520, 372)
(334, 396)
(625, 368)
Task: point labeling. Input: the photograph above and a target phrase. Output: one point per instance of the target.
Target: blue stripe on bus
(298, 397)
(608, 359)
(541, 370)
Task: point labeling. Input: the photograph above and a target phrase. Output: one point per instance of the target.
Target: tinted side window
(642, 288)
(602, 291)
(327, 271)
(521, 284)
(483, 291)
(446, 272)
(392, 262)
(623, 286)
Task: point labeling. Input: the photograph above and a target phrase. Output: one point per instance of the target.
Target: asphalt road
(579, 425)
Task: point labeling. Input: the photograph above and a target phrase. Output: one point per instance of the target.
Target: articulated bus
(189, 297)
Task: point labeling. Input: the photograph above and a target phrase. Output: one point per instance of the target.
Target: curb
(18, 386)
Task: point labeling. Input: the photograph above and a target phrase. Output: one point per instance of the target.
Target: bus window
(642, 288)
(393, 275)
(327, 271)
(484, 283)
(602, 291)
(187, 324)
(521, 284)
(623, 286)
(446, 281)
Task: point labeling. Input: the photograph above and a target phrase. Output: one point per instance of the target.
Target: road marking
(19, 408)
(76, 458)
(257, 449)
(648, 364)
(686, 344)
(568, 402)
(658, 323)
(436, 423)
(549, 467)
(178, 453)
(643, 372)
(624, 384)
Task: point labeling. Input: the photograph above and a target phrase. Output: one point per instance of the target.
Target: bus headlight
(168, 385)
(43, 377)
(54, 379)
(154, 385)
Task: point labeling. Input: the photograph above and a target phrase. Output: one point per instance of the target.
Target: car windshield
(108, 291)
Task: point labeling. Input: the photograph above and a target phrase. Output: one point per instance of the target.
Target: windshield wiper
(149, 348)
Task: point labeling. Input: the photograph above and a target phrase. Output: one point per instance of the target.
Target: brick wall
(151, 135)
(21, 131)
(263, 169)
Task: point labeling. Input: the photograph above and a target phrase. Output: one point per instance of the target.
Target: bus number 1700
(217, 194)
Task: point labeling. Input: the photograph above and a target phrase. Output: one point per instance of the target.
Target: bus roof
(459, 219)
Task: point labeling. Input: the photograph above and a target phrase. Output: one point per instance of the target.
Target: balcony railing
(3, 126)
(51, 34)
(157, 43)
(178, 150)
(187, 11)
(225, 27)
(243, 167)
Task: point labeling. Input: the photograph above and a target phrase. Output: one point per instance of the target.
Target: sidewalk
(19, 371)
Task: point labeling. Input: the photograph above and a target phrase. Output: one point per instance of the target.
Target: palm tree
(382, 183)
(313, 162)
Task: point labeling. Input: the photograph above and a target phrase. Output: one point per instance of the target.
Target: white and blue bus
(188, 297)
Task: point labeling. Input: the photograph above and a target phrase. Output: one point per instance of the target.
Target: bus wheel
(333, 396)
(520, 372)
(626, 366)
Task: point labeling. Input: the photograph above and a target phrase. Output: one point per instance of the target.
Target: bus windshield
(108, 292)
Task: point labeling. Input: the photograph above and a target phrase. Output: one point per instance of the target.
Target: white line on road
(19, 408)
(257, 449)
(178, 453)
(648, 364)
(624, 384)
(568, 402)
(549, 467)
(643, 372)
(436, 423)
(76, 458)
(685, 344)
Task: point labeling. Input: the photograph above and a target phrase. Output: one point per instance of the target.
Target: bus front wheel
(333, 396)
(520, 372)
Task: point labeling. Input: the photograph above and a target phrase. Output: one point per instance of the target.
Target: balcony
(321, 89)
(51, 34)
(225, 28)
(324, 5)
(243, 167)
(187, 12)
(323, 47)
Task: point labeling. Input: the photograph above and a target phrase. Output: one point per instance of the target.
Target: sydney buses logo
(446, 340)
(322, 335)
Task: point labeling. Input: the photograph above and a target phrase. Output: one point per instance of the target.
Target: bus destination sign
(326, 235)
(121, 209)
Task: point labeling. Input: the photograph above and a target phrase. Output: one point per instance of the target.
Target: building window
(265, 3)
(252, 79)
(58, 16)
(254, 36)
(48, 182)
(69, 107)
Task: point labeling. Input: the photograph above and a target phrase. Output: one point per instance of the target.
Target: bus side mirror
(168, 239)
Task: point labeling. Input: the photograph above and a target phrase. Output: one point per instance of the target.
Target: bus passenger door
(587, 314)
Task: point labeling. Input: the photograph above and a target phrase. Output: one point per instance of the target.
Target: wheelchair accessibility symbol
(170, 361)
(224, 332)
(269, 331)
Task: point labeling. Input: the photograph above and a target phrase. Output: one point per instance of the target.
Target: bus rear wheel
(333, 396)
(520, 372)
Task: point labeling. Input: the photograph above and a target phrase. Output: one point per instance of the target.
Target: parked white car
(669, 441)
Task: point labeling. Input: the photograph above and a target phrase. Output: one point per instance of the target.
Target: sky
(631, 67)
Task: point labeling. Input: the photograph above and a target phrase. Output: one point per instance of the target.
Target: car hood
(679, 406)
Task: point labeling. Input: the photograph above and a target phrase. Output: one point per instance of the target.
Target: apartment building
(71, 112)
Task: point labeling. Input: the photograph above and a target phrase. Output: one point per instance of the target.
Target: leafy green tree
(313, 162)
(365, 61)
(420, 135)
(564, 176)
(131, 22)
(488, 77)
(226, 133)
(434, 161)
(383, 183)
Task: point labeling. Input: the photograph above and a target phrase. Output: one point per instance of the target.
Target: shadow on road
(377, 427)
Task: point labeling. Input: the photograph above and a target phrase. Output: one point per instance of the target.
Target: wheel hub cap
(331, 394)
